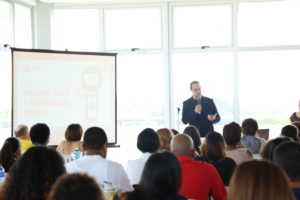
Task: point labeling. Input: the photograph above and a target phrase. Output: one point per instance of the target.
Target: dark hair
(193, 82)
(21, 131)
(175, 132)
(39, 133)
(76, 186)
(290, 131)
(214, 146)
(193, 132)
(287, 156)
(269, 147)
(148, 141)
(8, 151)
(232, 133)
(73, 132)
(32, 176)
(249, 126)
(161, 178)
(94, 138)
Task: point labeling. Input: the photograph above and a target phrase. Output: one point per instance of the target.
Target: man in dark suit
(200, 111)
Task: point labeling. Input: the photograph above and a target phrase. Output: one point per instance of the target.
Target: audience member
(22, 133)
(76, 187)
(199, 179)
(287, 155)
(73, 136)
(175, 132)
(290, 131)
(250, 140)
(165, 137)
(161, 180)
(95, 164)
(259, 180)
(295, 117)
(193, 132)
(32, 176)
(213, 152)
(234, 149)
(10, 152)
(269, 147)
(39, 134)
(147, 143)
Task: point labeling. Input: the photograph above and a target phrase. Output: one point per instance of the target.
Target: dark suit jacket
(200, 120)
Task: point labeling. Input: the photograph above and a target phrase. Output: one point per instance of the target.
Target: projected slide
(60, 88)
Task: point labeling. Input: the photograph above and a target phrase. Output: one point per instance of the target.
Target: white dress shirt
(102, 170)
(135, 168)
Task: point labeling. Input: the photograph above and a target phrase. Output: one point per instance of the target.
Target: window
(23, 32)
(5, 23)
(133, 28)
(75, 29)
(197, 26)
(274, 23)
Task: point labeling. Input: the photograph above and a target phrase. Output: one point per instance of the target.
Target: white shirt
(135, 168)
(102, 170)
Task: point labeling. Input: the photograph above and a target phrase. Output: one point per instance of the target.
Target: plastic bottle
(2, 174)
(76, 154)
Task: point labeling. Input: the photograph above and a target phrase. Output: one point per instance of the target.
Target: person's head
(148, 141)
(39, 134)
(175, 132)
(232, 133)
(195, 89)
(249, 127)
(32, 176)
(10, 152)
(259, 179)
(269, 147)
(73, 132)
(95, 139)
(287, 156)
(214, 146)
(193, 132)
(182, 144)
(75, 186)
(161, 176)
(290, 131)
(22, 131)
(165, 137)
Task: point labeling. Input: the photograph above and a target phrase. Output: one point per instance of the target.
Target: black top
(200, 120)
(225, 167)
(133, 197)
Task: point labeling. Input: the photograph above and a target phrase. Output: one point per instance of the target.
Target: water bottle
(76, 154)
(2, 174)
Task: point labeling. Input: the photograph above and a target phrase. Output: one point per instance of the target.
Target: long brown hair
(259, 180)
(165, 137)
(214, 147)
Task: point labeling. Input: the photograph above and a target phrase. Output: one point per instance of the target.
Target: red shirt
(199, 179)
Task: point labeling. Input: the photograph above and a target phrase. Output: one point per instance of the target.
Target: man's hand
(212, 117)
(198, 108)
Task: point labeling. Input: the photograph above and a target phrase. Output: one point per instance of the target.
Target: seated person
(161, 180)
(165, 137)
(290, 131)
(95, 164)
(259, 180)
(232, 135)
(74, 187)
(22, 133)
(295, 117)
(287, 156)
(39, 134)
(193, 132)
(199, 179)
(249, 139)
(147, 143)
(73, 136)
(32, 176)
(213, 152)
(269, 147)
(10, 152)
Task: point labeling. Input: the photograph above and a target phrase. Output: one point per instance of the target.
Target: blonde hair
(165, 137)
(259, 180)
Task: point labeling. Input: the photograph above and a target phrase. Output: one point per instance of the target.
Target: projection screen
(62, 87)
